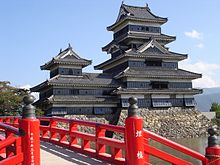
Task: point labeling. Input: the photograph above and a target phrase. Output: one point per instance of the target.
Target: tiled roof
(39, 87)
(136, 13)
(155, 55)
(159, 73)
(68, 57)
(137, 55)
(83, 99)
(153, 48)
(141, 12)
(157, 91)
(161, 37)
(86, 80)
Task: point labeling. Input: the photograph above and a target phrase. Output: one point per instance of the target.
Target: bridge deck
(52, 154)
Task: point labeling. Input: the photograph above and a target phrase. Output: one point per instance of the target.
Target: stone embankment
(174, 122)
(171, 123)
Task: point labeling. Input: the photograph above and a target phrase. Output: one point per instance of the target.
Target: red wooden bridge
(21, 136)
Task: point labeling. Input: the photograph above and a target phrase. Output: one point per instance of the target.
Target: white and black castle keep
(140, 65)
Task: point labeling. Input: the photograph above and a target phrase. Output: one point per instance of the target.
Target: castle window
(161, 103)
(133, 46)
(159, 85)
(74, 91)
(153, 63)
(70, 72)
(172, 96)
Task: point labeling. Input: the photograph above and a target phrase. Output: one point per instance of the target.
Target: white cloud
(36, 95)
(200, 45)
(27, 86)
(194, 34)
(210, 77)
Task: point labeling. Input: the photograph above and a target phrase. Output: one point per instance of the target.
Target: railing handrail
(11, 145)
(9, 128)
(150, 135)
(11, 117)
(119, 129)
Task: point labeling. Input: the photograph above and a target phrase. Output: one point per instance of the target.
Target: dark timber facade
(140, 65)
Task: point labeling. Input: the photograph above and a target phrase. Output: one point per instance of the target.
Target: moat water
(196, 144)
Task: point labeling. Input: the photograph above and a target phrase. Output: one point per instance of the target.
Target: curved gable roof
(67, 56)
(135, 12)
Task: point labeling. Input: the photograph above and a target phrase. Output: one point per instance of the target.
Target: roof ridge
(143, 7)
(152, 43)
(64, 53)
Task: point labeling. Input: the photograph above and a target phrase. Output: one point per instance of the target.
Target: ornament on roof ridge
(69, 46)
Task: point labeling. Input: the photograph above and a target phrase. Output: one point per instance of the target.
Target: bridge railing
(132, 149)
(21, 145)
(150, 150)
(10, 120)
(10, 145)
(142, 149)
(95, 144)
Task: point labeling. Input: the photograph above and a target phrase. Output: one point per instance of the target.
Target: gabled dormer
(67, 62)
(152, 46)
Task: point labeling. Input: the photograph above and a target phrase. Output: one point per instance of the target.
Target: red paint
(213, 155)
(10, 147)
(30, 141)
(150, 135)
(135, 145)
(134, 141)
(98, 138)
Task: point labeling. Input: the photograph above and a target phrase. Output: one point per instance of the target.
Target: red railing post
(72, 128)
(30, 129)
(100, 132)
(134, 135)
(53, 124)
(15, 122)
(9, 149)
(213, 149)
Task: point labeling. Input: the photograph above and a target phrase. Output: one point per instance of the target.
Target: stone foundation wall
(171, 123)
(174, 122)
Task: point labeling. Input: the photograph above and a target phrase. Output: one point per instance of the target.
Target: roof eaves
(128, 18)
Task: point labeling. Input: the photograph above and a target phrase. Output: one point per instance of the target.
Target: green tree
(10, 99)
(215, 107)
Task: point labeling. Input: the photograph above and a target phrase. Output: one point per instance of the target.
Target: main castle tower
(140, 65)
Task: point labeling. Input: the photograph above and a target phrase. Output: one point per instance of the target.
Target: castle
(140, 65)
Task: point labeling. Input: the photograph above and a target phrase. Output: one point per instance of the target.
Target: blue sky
(32, 32)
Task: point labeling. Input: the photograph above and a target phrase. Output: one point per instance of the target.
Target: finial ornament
(133, 108)
(69, 46)
(213, 138)
(28, 109)
(122, 2)
(147, 7)
(60, 50)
